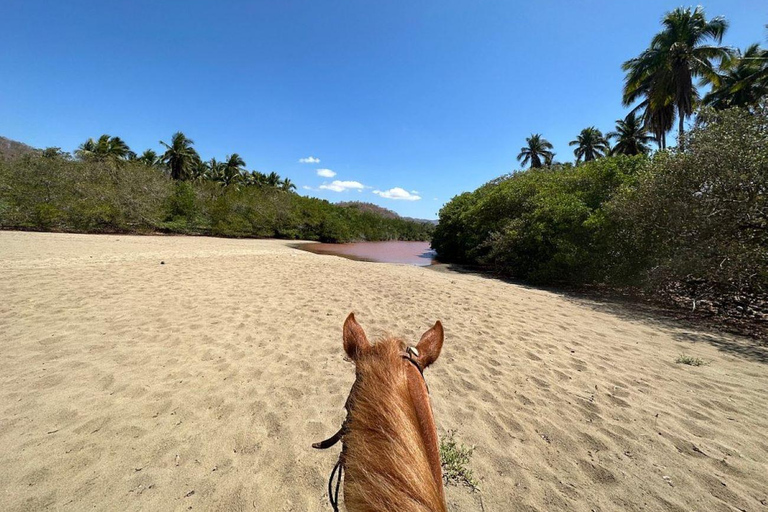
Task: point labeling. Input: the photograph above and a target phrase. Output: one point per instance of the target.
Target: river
(410, 253)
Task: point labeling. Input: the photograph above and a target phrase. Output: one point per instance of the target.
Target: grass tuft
(690, 360)
(455, 457)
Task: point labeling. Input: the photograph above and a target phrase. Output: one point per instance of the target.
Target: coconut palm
(204, 171)
(180, 156)
(149, 158)
(232, 170)
(272, 179)
(590, 144)
(538, 149)
(287, 185)
(105, 148)
(254, 178)
(631, 136)
(663, 74)
(742, 80)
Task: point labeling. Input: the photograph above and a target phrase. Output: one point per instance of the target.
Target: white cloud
(306, 187)
(326, 173)
(341, 186)
(397, 193)
(415, 192)
(309, 160)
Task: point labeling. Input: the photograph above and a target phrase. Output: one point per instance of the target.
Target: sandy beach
(181, 373)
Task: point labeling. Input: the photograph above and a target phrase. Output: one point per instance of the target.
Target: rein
(338, 469)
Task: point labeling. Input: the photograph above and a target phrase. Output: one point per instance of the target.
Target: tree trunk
(681, 129)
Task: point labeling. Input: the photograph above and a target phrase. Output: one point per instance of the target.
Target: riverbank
(167, 372)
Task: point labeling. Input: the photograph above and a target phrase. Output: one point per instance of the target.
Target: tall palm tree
(287, 185)
(742, 80)
(273, 179)
(590, 144)
(105, 148)
(537, 149)
(232, 169)
(214, 169)
(631, 136)
(255, 178)
(663, 74)
(180, 156)
(149, 158)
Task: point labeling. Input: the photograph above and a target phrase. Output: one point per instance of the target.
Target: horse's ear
(430, 345)
(355, 341)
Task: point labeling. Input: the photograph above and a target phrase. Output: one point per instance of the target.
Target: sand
(199, 384)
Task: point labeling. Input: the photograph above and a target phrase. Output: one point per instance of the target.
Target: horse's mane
(386, 462)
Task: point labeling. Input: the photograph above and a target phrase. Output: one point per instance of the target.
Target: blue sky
(432, 97)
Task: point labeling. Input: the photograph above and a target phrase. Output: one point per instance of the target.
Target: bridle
(409, 354)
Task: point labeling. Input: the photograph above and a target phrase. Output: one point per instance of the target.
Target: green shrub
(691, 226)
(690, 360)
(699, 218)
(455, 458)
(543, 224)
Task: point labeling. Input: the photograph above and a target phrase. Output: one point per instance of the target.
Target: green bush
(543, 224)
(60, 194)
(699, 218)
(690, 223)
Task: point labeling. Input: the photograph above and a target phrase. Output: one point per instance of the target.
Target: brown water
(411, 253)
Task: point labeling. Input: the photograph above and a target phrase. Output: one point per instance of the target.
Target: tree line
(182, 162)
(105, 188)
(660, 83)
(687, 224)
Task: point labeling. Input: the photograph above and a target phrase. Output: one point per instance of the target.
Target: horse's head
(364, 354)
(390, 452)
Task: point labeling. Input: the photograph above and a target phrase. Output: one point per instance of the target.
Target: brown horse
(390, 450)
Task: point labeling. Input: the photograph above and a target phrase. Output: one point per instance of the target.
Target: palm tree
(590, 144)
(255, 178)
(105, 148)
(742, 80)
(273, 179)
(180, 156)
(202, 171)
(537, 149)
(149, 158)
(287, 185)
(232, 170)
(663, 74)
(631, 136)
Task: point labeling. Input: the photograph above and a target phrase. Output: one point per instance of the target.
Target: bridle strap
(333, 497)
(335, 438)
(408, 356)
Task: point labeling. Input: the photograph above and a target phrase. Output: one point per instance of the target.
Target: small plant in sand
(455, 457)
(690, 360)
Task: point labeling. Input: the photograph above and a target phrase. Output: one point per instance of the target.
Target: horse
(390, 455)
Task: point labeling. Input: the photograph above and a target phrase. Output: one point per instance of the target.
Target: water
(411, 253)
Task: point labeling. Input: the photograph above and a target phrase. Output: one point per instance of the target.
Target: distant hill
(370, 208)
(10, 149)
(425, 221)
(380, 210)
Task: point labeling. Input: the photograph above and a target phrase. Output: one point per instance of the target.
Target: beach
(192, 373)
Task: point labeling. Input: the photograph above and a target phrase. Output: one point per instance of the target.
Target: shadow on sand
(680, 325)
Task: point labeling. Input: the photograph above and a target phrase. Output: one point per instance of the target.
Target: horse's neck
(420, 398)
(385, 443)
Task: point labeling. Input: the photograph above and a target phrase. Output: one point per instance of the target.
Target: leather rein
(333, 494)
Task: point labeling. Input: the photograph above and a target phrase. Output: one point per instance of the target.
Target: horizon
(383, 103)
